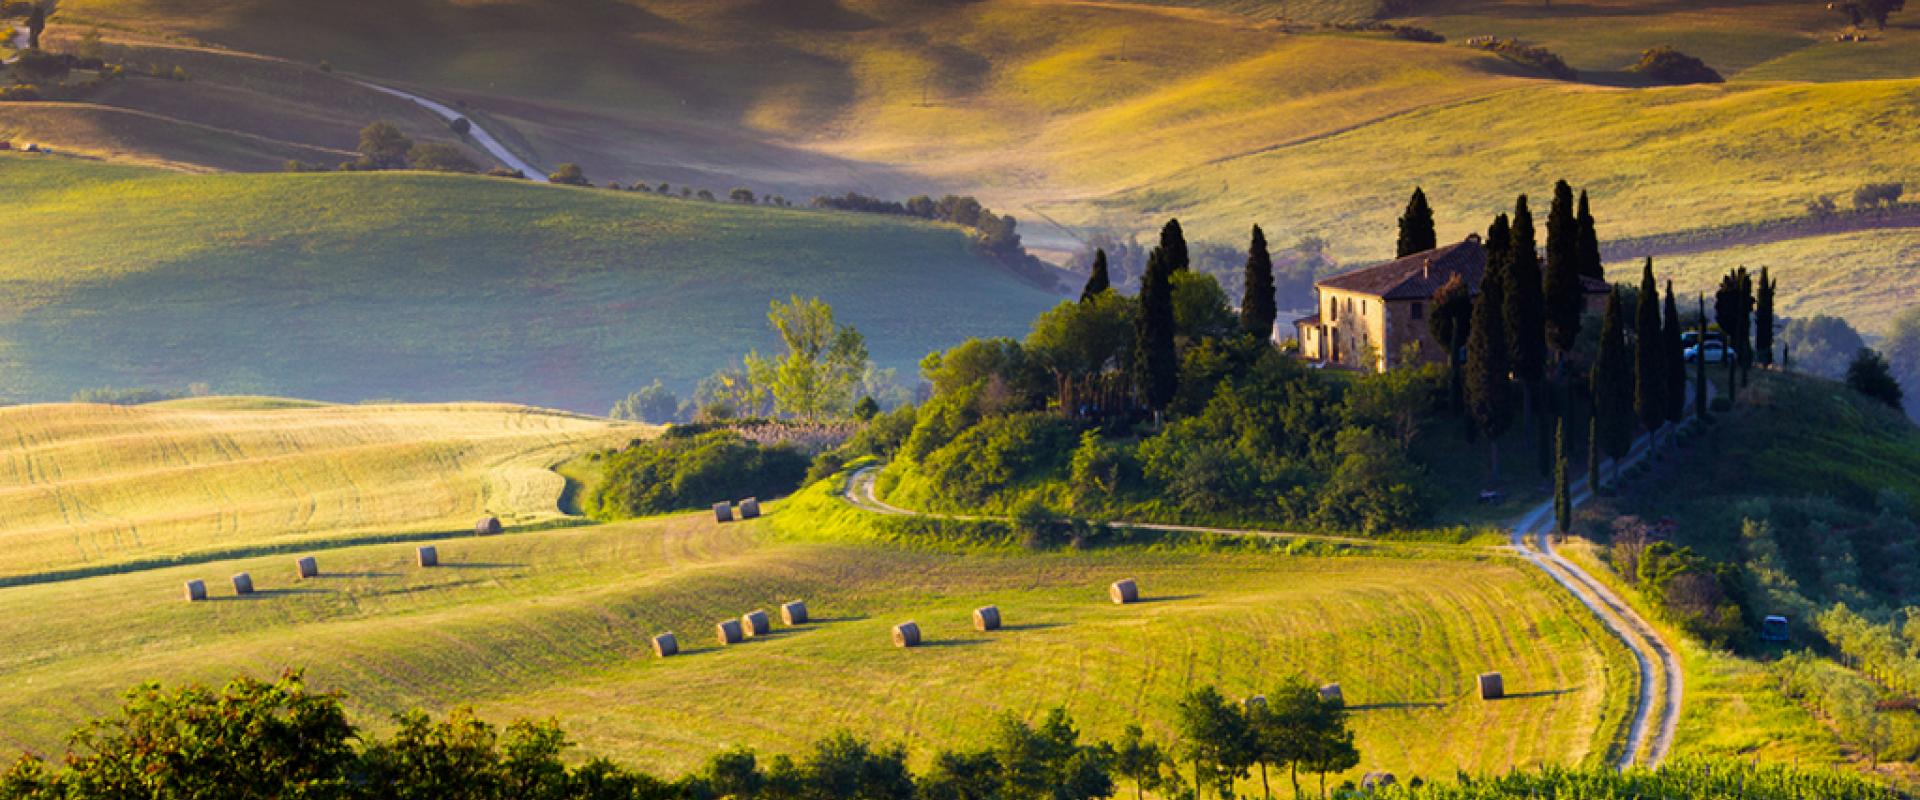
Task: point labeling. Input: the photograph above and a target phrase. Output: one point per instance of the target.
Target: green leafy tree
(1097, 279)
(1649, 354)
(1675, 360)
(1257, 304)
(570, 174)
(1763, 319)
(1902, 349)
(1156, 362)
(440, 157)
(654, 404)
(1588, 243)
(1869, 375)
(823, 362)
(1416, 227)
(383, 146)
(1139, 760)
(1173, 242)
(1613, 388)
(1565, 294)
(1861, 12)
(1488, 392)
(1216, 739)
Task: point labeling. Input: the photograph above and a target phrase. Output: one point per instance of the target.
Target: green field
(432, 287)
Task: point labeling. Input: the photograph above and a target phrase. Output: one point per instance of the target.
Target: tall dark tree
(1870, 375)
(1566, 300)
(1588, 242)
(1416, 227)
(1593, 453)
(1098, 280)
(1612, 384)
(37, 22)
(1733, 309)
(1257, 309)
(1173, 241)
(1156, 363)
(1499, 241)
(1562, 493)
(1700, 410)
(1488, 392)
(1675, 359)
(1525, 313)
(1763, 320)
(1649, 348)
(1449, 321)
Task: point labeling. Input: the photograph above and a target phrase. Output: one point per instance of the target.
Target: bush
(1530, 55)
(1038, 527)
(997, 454)
(461, 126)
(569, 174)
(440, 157)
(1667, 65)
(23, 93)
(1876, 195)
(685, 473)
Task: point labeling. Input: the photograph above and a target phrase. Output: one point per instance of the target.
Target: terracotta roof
(1313, 320)
(1418, 276)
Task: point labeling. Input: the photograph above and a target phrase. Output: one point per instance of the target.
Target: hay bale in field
(243, 583)
(1256, 701)
(722, 512)
(750, 508)
(728, 632)
(196, 591)
(986, 618)
(1331, 693)
(429, 557)
(906, 634)
(488, 527)
(1492, 687)
(307, 567)
(1124, 592)
(1374, 781)
(666, 645)
(794, 613)
(755, 623)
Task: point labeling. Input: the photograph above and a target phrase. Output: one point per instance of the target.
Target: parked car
(1690, 338)
(1715, 352)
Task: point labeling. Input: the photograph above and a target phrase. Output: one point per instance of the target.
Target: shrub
(1876, 195)
(1530, 55)
(440, 157)
(383, 146)
(1372, 490)
(742, 195)
(1038, 527)
(997, 454)
(569, 174)
(683, 473)
(22, 93)
(461, 126)
(1667, 65)
(503, 172)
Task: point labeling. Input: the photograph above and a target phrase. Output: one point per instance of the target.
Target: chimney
(1426, 269)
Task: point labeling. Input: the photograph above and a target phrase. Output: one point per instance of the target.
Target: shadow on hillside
(478, 565)
(1166, 598)
(325, 575)
(949, 642)
(1408, 705)
(1034, 626)
(267, 594)
(1542, 693)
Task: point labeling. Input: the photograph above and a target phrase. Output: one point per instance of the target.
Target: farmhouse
(1376, 318)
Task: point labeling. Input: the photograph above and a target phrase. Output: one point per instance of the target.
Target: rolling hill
(432, 287)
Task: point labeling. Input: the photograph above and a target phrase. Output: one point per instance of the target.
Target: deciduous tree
(823, 362)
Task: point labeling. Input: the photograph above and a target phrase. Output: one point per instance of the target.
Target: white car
(1716, 353)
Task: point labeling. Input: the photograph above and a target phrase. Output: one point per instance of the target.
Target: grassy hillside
(554, 623)
(92, 488)
(429, 287)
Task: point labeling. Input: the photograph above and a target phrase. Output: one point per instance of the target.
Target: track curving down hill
(486, 141)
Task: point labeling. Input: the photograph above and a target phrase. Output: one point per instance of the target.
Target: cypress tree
(1173, 241)
(1525, 309)
(1565, 298)
(1593, 453)
(1489, 398)
(1499, 240)
(1612, 384)
(1257, 310)
(1649, 345)
(1675, 359)
(1733, 309)
(1700, 410)
(1097, 281)
(1416, 227)
(1562, 494)
(1588, 243)
(1449, 321)
(1156, 364)
(1763, 320)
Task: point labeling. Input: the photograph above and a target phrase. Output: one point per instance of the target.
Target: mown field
(554, 624)
(93, 488)
(434, 287)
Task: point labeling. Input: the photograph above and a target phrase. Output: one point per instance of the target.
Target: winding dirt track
(486, 141)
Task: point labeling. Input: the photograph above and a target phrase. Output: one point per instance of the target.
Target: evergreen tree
(1257, 310)
(1870, 375)
(1156, 364)
(1173, 241)
(1566, 299)
(1499, 240)
(1416, 227)
(1674, 356)
(1763, 320)
(1562, 494)
(1649, 346)
(1449, 321)
(1593, 453)
(1612, 384)
(1525, 313)
(1489, 397)
(1588, 243)
(1700, 410)
(1097, 281)
(1733, 309)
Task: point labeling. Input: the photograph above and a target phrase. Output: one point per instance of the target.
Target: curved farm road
(480, 136)
(1656, 710)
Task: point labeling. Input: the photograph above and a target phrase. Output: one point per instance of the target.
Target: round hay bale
(794, 613)
(755, 623)
(722, 512)
(243, 584)
(666, 645)
(1377, 780)
(428, 556)
(986, 618)
(1124, 592)
(196, 591)
(1492, 687)
(1331, 693)
(906, 634)
(750, 508)
(728, 632)
(308, 567)
(488, 527)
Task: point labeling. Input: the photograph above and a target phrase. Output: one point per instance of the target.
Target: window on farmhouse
(1419, 311)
